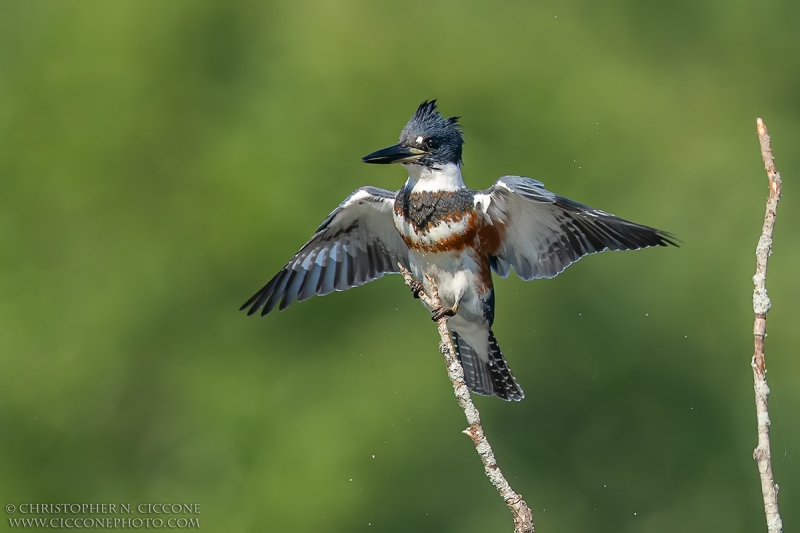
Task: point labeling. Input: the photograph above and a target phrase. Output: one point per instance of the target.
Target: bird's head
(428, 139)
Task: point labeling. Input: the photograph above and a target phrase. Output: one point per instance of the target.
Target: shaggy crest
(430, 131)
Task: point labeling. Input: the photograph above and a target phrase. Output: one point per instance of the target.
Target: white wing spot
(482, 202)
(356, 197)
(503, 185)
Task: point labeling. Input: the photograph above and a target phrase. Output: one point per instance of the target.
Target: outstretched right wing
(540, 233)
(357, 243)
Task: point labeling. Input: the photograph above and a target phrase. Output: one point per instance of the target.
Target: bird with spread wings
(438, 227)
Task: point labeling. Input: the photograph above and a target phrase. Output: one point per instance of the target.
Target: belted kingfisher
(437, 226)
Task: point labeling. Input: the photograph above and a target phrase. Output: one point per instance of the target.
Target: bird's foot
(441, 312)
(417, 288)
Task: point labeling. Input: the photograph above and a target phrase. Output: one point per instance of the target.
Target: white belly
(456, 278)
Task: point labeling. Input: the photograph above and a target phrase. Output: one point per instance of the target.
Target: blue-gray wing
(539, 233)
(357, 243)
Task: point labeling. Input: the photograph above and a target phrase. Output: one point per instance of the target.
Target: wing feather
(543, 233)
(312, 282)
(355, 244)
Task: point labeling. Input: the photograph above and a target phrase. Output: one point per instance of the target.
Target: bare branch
(523, 518)
(761, 305)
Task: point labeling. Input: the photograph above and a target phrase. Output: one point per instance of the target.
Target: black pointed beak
(394, 154)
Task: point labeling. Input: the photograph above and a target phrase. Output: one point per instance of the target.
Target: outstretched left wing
(539, 233)
(357, 243)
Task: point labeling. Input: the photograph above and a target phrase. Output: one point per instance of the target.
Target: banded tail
(492, 378)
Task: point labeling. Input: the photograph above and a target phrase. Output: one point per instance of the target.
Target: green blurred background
(160, 161)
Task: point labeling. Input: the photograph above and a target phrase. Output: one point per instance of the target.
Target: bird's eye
(432, 143)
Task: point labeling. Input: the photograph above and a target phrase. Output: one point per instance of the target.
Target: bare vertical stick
(761, 305)
(523, 518)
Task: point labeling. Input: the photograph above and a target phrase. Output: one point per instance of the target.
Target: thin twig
(523, 518)
(761, 305)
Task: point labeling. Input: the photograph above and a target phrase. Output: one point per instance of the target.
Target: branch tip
(760, 127)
